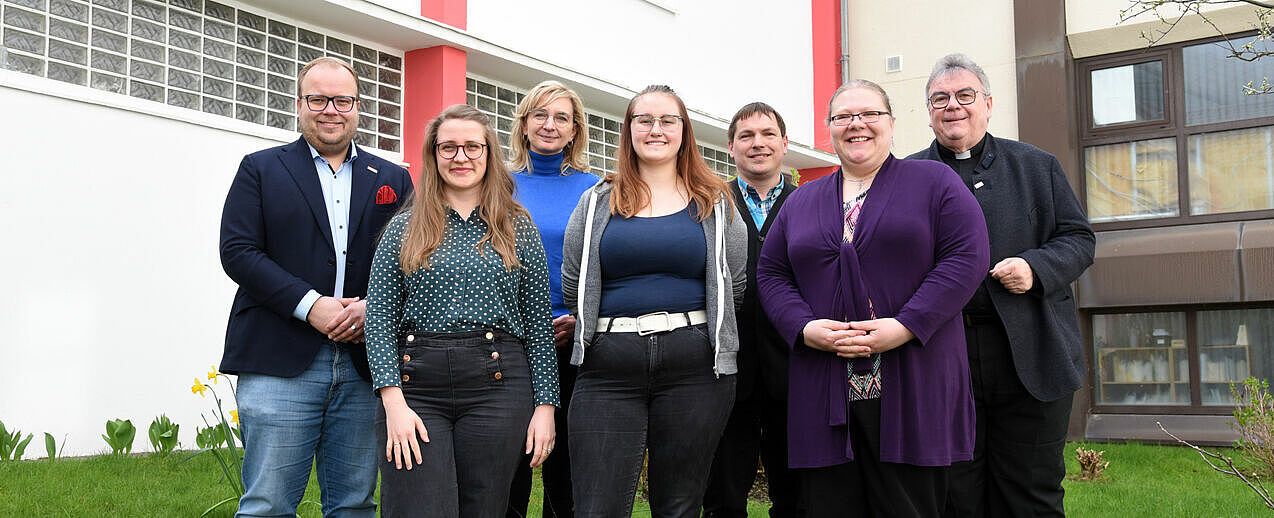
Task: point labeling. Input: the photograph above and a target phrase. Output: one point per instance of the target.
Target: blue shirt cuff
(303, 308)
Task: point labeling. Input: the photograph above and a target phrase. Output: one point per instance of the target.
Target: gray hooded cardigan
(727, 243)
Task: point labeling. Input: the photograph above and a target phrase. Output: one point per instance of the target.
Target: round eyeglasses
(472, 150)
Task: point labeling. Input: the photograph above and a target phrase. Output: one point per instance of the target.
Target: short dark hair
(755, 108)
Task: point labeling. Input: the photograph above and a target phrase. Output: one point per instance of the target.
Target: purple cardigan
(920, 249)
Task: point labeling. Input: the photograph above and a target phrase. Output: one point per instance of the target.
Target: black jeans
(655, 392)
(474, 395)
(1017, 465)
(757, 428)
(556, 470)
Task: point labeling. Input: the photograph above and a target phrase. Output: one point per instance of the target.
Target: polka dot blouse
(462, 291)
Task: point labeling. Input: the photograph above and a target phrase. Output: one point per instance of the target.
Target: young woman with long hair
(459, 337)
(653, 264)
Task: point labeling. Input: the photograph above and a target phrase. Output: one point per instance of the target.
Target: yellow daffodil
(212, 375)
(198, 388)
(234, 416)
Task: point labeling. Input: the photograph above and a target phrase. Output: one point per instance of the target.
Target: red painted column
(433, 79)
(451, 12)
(825, 35)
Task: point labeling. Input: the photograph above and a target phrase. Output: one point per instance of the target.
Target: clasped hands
(341, 320)
(856, 339)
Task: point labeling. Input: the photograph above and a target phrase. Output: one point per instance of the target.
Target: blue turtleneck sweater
(550, 194)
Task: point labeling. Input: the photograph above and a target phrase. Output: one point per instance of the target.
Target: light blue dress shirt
(336, 195)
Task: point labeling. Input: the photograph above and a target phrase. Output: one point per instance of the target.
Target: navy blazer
(1032, 213)
(276, 244)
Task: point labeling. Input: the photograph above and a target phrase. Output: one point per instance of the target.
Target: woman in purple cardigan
(865, 272)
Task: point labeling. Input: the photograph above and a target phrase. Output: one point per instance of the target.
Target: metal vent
(893, 64)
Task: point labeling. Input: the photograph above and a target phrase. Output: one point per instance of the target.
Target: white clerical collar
(964, 154)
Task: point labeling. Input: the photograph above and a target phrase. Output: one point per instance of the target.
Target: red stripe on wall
(451, 12)
(434, 80)
(825, 34)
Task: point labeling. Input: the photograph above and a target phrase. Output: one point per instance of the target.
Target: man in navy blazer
(1025, 356)
(298, 232)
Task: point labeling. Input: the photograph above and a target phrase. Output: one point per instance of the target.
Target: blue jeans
(324, 416)
(655, 392)
(474, 395)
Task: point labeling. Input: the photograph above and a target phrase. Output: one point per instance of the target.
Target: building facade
(126, 120)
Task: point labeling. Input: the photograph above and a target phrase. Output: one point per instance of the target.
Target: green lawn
(1143, 480)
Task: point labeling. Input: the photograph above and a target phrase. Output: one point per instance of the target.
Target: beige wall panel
(1093, 26)
(878, 29)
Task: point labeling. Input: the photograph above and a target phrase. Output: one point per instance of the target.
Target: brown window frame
(1173, 125)
(1191, 314)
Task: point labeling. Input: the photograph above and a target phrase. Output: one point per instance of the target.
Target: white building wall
(877, 29)
(718, 55)
(116, 300)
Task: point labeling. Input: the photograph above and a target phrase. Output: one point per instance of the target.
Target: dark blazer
(919, 251)
(762, 352)
(276, 244)
(1032, 213)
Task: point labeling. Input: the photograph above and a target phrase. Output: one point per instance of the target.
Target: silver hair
(955, 63)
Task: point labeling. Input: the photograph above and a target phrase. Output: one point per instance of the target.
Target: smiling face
(661, 143)
(556, 130)
(329, 131)
(959, 127)
(758, 146)
(461, 174)
(862, 147)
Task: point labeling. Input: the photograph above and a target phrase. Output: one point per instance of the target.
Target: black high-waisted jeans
(474, 395)
(655, 392)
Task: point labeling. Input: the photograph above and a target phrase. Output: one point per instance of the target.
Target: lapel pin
(978, 185)
(372, 169)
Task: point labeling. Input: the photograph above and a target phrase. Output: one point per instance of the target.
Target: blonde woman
(458, 332)
(550, 170)
(653, 264)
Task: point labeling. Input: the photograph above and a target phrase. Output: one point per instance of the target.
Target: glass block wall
(499, 103)
(195, 54)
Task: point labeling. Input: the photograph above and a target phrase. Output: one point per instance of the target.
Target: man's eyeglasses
(845, 119)
(472, 150)
(965, 97)
(541, 116)
(646, 122)
(342, 103)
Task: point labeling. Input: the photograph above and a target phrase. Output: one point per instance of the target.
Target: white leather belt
(650, 323)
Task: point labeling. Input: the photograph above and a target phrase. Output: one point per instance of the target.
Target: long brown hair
(544, 93)
(631, 194)
(427, 224)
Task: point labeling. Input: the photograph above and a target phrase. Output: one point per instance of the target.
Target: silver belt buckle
(642, 331)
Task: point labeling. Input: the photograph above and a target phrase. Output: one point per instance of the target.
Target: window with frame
(1185, 359)
(1169, 136)
(196, 54)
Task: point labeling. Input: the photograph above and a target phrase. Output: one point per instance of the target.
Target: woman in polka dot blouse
(459, 332)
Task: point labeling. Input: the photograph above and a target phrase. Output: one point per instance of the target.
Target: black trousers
(1017, 465)
(638, 394)
(757, 429)
(476, 421)
(556, 470)
(868, 487)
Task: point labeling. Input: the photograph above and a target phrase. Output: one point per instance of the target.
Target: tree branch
(1208, 457)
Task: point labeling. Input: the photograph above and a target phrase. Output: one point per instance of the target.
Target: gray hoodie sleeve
(572, 250)
(736, 252)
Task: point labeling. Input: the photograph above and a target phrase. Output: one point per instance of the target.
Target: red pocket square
(385, 195)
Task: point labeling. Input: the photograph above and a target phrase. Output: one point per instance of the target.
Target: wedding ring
(353, 327)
